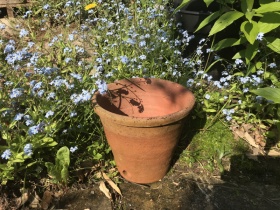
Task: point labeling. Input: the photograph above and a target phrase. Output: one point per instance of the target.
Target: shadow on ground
(184, 188)
(247, 184)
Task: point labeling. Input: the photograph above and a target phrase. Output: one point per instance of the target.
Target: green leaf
(98, 156)
(270, 7)
(4, 109)
(250, 30)
(48, 141)
(208, 2)
(63, 161)
(249, 4)
(224, 21)
(18, 160)
(274, 44)
(12, 124)
(225, 43)
(251, 52)
(265, 1)
(63, 156)
(184, 3)
(240, 54)
(208, 20)
(52, 144)
(268, 22)
(210, 110)
(59, 171)
(249, 15)
(268, 93)
(5, 135)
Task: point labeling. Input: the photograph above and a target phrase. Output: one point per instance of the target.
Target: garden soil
(186, 188)
(256, 187)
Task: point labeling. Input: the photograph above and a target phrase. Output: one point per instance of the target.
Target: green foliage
(54, 60)
(211, 146)
(269, 93)
(184, 3)
(224, 21)
(59, 171)
(257, 21)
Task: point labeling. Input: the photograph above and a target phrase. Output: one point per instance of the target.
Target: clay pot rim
(132, 121)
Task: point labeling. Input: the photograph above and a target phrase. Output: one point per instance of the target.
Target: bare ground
(183, 188)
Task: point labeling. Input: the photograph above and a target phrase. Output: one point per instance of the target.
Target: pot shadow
(191, 126)
(118, 98)
(248, 184)
(243, 170)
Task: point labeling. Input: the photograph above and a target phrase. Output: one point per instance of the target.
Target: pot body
(142, 120)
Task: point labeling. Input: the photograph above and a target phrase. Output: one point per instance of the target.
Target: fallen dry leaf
(22, 199)
(258, 137)
(273, 153)
(105, 190)
(239, 133)
(58, 194)
(35, 203)
(111, 183)
(247, 127)
(46, 200)
(255, 154)
(250, 140)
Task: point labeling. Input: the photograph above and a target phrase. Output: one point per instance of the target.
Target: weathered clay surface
(142, 119)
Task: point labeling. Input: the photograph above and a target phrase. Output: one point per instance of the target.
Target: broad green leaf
(251, 68)
(268, 93)
(52, 144)
(251, 52)
(224, 21)
(225, 1)
(240, 54)
(268, 22)
(47, 139)
(265, 1)
(184, 3)
(59, 171)
(249, 4)
(271, 76)
(63, 156)
(64, 174)
(249, 15)
(208, 19)
(246, 5)
(274, 44)
(225, 43)
(250, 30)
(270, 7)
(63, 162)
(243, 5)
(208, 2)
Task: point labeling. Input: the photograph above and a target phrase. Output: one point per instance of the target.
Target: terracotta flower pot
(142, 120)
